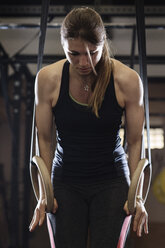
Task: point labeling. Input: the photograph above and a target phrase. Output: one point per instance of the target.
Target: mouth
(87, 69)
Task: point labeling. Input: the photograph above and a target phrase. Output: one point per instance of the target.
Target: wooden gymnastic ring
(143, 167)
(37, 165)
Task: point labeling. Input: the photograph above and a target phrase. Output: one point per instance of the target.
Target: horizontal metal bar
(26, 58)
(157, 99)
(151, 59)
(58, 25)
(25, 26)
(156, 80)
(61, 10)
(157, 114)
(130, 26)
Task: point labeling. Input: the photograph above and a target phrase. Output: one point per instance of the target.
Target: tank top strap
(65, 78)
(64, 84)
(111, 92)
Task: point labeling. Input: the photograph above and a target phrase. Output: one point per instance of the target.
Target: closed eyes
(76, 53)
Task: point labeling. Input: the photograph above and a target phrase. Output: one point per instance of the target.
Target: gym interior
(19, 42)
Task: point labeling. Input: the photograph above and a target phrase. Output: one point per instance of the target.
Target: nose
(83, 60)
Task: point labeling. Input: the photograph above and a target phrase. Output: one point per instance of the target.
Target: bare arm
(44, 119)
(134, 124)
(44, 122)
(134, 112)
(129, 92)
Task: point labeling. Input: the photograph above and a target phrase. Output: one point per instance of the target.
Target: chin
(84, 71)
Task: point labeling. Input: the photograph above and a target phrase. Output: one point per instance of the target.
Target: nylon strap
(42, 35)
(140, 21)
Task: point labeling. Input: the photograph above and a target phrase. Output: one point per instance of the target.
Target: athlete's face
(82, 55)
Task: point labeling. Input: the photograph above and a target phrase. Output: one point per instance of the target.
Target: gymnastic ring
(37, 165)
(143, 166)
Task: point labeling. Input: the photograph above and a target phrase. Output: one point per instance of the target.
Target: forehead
(78, 44)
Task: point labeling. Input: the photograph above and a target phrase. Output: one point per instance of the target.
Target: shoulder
(48, 79)
(124, 75)
(50, 75)
(128, 81)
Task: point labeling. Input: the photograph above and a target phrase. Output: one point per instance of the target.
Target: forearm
(134, 156)
(46, 153)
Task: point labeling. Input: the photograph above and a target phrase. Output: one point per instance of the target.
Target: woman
(86, 94)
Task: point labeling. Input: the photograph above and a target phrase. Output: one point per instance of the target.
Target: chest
(74, 117)
(80, 94)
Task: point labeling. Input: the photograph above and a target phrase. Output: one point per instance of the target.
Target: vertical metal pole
(14, 204)
(132, 61)
(29, 99)
(5, 237)
(140, 20)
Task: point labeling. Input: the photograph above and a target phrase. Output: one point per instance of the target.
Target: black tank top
(88, 148)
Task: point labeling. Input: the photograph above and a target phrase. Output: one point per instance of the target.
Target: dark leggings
(98, 207)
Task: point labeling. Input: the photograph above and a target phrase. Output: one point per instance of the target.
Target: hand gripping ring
(143, 167)
(37, 165)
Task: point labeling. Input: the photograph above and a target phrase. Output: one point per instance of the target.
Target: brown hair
(86, 24)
